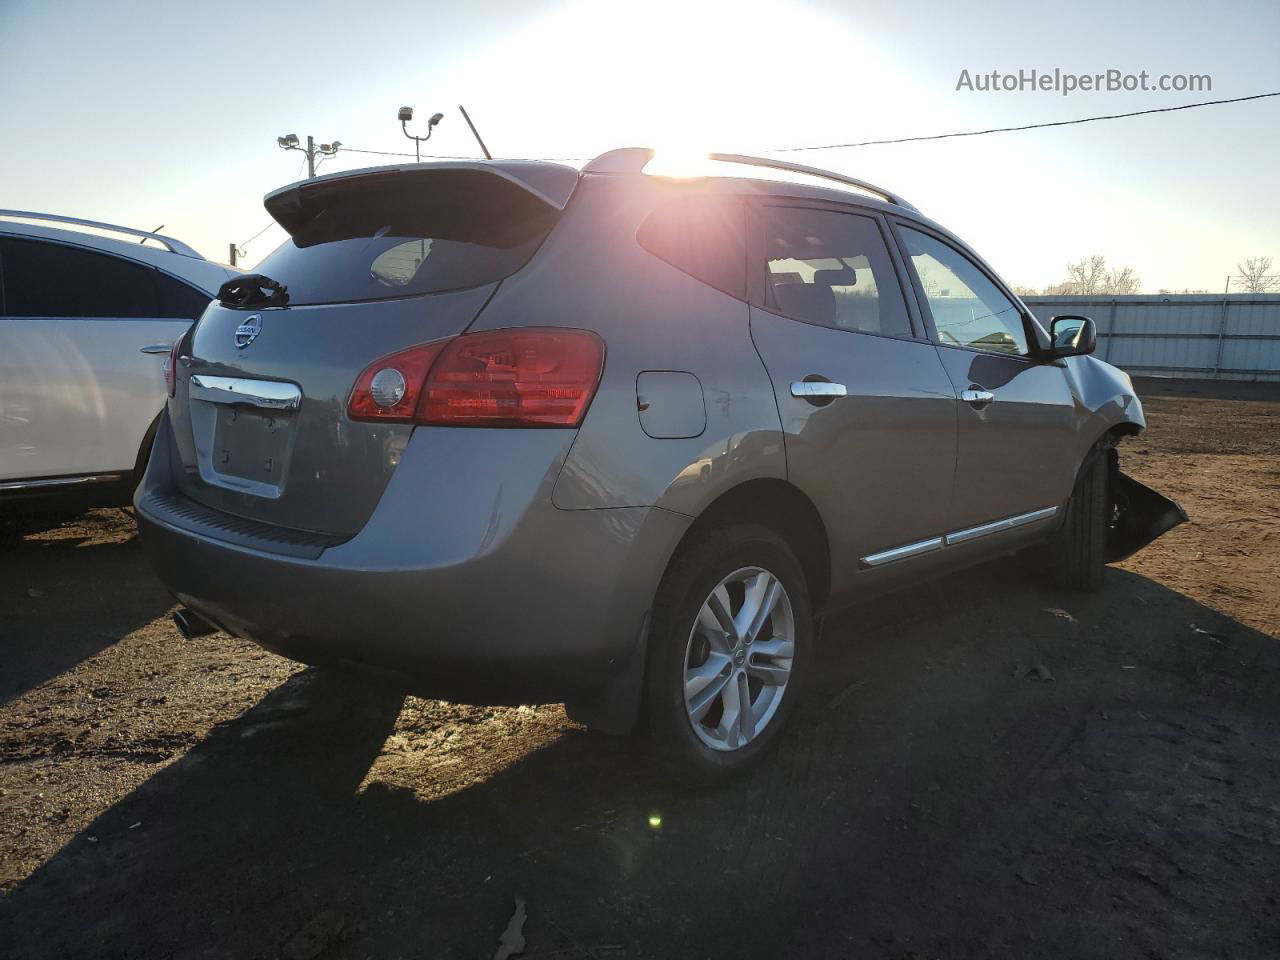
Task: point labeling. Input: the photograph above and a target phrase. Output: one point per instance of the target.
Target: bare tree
(1088, 276)
(1255, 272)
(1026, 291)
(1123, 281)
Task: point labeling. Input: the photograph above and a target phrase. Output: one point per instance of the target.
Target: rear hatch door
(376, 261)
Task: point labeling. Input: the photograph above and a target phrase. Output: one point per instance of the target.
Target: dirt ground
(936, 795)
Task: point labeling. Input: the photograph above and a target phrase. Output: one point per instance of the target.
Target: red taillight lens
(514, 378)
(171, 368)
(500, 378)
(389, 389)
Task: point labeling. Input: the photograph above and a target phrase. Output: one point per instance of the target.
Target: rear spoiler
(550, 183)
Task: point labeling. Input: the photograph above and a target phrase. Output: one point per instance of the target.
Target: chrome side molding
(902, 553)
(60, 481)
(999, 526)
(269, 394)
(933, 544)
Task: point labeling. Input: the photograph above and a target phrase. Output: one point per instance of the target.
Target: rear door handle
(156, 348)
(818, 390)
(977, 397)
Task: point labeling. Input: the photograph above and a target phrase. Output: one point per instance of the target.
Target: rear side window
(832, 269)
(703, 236)
(398, 235)
(52, 280)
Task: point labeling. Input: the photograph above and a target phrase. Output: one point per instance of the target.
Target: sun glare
(685, 77)
(681, 162)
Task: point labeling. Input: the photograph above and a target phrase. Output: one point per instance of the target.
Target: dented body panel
(1109, 409)
(1105, 400)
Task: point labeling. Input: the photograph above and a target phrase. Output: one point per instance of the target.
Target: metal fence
(1234, 337)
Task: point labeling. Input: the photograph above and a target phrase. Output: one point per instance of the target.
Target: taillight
(500, 378)
(171, 368)
(514, 378)
(389, 388)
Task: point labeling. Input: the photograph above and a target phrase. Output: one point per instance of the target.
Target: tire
(695, 736)
(1080, 546)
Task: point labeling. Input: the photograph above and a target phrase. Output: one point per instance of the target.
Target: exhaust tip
(190, 624)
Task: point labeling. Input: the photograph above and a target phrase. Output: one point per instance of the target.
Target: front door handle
(979, 398)
(818, 390)
(156, 348)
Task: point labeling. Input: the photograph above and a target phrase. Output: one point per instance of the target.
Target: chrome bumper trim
(269, 394)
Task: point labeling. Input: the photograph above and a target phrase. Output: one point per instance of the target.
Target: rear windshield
(403, 234)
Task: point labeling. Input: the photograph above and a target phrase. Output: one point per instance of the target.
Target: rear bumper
(466, 581)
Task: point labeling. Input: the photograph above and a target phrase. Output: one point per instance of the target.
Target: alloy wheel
(738, 658)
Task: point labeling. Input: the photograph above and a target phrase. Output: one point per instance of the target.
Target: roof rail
(175, 246)
(633, 160)
(772, 164)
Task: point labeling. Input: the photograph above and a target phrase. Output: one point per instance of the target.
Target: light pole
(290, 142)
(404, 116)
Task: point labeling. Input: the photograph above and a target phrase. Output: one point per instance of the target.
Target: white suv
(88, 313)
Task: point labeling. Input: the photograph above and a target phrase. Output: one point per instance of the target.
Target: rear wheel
(731, 638)
(1080, 546)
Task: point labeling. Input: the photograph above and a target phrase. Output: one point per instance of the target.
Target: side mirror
(1072, 336)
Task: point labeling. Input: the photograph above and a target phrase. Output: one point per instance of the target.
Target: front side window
(968, 309)
(832, 269)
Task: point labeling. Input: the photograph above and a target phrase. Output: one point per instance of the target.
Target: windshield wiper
(253, 290)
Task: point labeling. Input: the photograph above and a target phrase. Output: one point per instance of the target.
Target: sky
(167, 112)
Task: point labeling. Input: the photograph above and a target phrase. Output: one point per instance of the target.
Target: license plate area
(244, 434)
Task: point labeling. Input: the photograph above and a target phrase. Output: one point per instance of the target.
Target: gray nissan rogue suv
(521, 433)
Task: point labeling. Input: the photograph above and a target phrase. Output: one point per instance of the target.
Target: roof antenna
(156, 230)
(475, 133)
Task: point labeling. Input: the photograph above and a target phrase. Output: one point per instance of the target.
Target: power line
(237, 250)
(245, 243)
(444, 156)
(397, 153)
(840, 146)
(1028, 126)
(917, 139)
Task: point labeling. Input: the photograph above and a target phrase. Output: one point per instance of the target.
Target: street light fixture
(404, 115)
(290, 142)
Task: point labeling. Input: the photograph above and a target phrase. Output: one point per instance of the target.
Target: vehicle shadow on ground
(936, 795)
(67, 597)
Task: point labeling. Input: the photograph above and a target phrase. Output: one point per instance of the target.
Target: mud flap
(616, 708)
(1140, 516)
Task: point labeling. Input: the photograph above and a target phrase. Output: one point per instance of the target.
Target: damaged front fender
(1138, 516)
